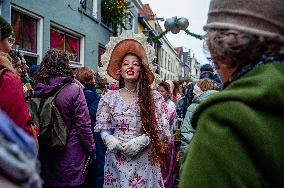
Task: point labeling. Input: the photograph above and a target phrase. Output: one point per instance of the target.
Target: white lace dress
(123, 119)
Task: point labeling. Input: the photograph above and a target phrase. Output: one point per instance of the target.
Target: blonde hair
(206, 84)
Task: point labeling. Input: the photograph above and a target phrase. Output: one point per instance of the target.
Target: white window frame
(120, 29)
(39, 43)
(81, 61)
(95, 8)
(132, 15)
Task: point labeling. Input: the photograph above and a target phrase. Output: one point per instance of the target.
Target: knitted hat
(5, 28)
(206, 67)
(206, 72)
(259, 17)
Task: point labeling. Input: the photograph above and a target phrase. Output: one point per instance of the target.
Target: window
(28, 32)
(169, 63)
(162, 58)
(64, 41)
(129, 21)
(25, 30)
(101, 51)
(90, 7)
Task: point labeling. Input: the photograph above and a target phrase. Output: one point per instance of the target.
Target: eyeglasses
(11, 40)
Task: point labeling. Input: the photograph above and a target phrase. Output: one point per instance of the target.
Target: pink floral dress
(171, 113)
(123, 119)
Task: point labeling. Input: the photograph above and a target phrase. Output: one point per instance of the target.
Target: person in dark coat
(65, 168)
(95, 176)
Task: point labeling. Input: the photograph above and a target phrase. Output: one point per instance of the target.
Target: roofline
(168, 42)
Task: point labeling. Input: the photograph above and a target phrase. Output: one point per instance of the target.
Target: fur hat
(259, 17)
(5, 29)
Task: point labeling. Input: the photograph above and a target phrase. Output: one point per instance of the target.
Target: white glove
(133, 146)
(113, 144)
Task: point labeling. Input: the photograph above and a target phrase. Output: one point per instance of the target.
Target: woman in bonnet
(132, 120)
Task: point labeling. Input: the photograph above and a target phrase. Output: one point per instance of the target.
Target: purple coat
(65, 168)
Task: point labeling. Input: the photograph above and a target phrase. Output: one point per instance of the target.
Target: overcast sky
(195, 11)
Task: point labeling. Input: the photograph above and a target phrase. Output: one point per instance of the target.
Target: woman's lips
(130, 73)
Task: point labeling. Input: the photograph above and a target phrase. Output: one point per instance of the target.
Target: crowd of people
(67, 128)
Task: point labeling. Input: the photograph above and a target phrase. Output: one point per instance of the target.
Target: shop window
(25, 31)
(101, 51)
(64, 41)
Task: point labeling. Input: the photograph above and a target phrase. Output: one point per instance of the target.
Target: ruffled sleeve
(104, 117)
(161, 114)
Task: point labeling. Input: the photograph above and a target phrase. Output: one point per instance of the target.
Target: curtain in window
(72, 46)
(25, 28)
(56, 40)
(16, 24)
(73, 43)
(30, 30)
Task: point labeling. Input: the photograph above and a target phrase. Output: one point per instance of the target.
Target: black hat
(206, 72)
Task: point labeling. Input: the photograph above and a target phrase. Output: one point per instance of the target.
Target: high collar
(270, 58)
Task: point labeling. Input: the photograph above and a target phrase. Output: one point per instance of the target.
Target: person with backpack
(11, 89)
(95, 175)
(65, 137)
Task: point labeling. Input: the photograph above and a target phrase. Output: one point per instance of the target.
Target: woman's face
(6, 44)
(163, 92)
(130, 68)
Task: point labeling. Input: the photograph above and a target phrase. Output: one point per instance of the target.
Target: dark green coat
(239, 141)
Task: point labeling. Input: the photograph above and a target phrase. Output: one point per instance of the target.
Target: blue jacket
(95, 175)
(93, 100)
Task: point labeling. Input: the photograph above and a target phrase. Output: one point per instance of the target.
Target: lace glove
(135, 145)
(113, 144)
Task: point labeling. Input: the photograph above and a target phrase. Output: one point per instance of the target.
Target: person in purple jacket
(65, 168)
